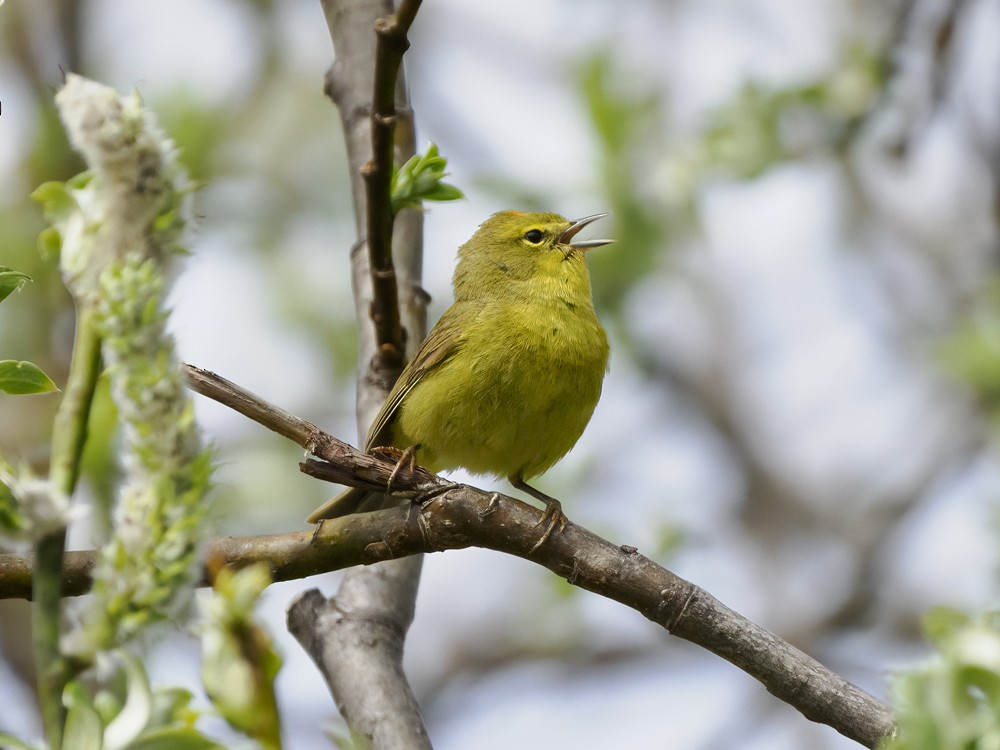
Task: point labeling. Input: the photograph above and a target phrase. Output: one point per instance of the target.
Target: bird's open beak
(566, 237)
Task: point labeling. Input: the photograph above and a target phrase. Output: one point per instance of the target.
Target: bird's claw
(552, 518)
(406, 458)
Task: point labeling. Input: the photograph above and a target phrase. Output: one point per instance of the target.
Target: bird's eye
(534, 236)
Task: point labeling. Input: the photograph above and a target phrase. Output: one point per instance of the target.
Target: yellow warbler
(507, 380)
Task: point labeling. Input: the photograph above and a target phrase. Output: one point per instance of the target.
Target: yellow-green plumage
(509, 377)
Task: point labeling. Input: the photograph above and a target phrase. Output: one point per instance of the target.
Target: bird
(510, 375)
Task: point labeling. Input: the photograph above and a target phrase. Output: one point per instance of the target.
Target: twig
(227, 393)
(923, 55)
(344, 464)
(390, 46)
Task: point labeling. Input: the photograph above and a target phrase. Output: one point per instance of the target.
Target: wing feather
(442, 342)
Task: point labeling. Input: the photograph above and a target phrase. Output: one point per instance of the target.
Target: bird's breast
(517, 393)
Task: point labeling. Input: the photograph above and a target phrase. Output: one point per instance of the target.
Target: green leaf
(941, 623)
(49, 242)
(83, 728)
(239, 662)
(172, 708)
(59, 204)
(11, 281)
(11, 520)
(9, 740)
(23, 377)
(442, 191)
(134, 716)
(55, 198)
(175, 738)
(952, 700)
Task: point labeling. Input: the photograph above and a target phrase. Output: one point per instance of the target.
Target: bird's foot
(403, 458)
(553, 519)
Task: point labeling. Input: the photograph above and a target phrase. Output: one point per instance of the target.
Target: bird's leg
(552, 517)
(406, 457)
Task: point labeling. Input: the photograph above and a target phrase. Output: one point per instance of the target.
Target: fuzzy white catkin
(119, 225)
(138, 198)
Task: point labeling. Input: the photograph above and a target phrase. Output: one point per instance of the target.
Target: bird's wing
(443, 341)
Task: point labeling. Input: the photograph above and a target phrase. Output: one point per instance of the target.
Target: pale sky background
(831, 394)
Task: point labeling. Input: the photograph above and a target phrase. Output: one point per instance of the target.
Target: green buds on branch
(421, 179)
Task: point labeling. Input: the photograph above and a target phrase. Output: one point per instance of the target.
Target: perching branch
(459, 516)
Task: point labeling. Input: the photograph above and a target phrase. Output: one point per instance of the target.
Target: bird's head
(512, 247)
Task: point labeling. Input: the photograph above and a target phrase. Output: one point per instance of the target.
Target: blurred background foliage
(801, 410)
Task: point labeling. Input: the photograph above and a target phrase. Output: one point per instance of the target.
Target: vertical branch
(391, 45)
(356, 638)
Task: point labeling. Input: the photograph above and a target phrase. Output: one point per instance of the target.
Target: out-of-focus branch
(459, 516)
(923, 51)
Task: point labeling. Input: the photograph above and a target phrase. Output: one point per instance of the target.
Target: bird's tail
(351, 500)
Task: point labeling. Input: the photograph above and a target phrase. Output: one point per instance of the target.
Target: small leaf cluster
(420, 179)
(240, 663)
(953, 702)
(126, 713)
(132, 717)
(19, 377)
